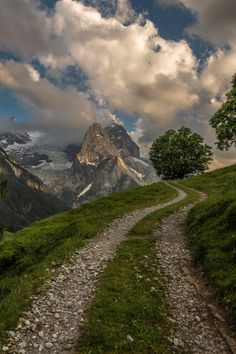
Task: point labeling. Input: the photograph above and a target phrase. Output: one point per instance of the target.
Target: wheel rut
(194, 325)
(56, 317)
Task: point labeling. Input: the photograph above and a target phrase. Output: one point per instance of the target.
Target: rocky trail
(56, 317)
(54, 322)
(198, 325)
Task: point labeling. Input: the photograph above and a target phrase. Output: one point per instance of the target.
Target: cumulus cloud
(218, 72)
(128, 65)
(215, 22)
(24, 29)
(215, 18)
(57, 112)
(125, 12)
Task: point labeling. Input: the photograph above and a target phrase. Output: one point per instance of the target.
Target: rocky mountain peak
(96, 146)
(107, 161)
(122, 140)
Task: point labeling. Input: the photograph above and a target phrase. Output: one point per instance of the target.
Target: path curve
(193, 327)
(54, 322)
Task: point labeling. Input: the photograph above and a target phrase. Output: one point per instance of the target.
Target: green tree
(181, 153)
(224, 120)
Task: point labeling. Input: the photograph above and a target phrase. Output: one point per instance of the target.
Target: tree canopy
(224, 120)
(181, 153)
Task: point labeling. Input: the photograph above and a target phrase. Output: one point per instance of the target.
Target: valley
(117, 177)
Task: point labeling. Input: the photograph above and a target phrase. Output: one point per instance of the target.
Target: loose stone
(130, 339)
(71, 290)
(189, 332)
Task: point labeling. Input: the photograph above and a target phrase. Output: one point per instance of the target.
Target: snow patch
(137, 173)
(85, 190)
(91, 163)
(141, 161)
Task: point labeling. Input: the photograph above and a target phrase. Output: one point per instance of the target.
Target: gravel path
(53, 323)
(193, 330)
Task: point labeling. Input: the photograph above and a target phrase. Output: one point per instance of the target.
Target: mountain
(44, 159)
(23, 196)
(122, 140)
(98, 168)
(11, 139)
(108, 160)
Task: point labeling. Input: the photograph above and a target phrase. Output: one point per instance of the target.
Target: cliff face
(23, 196)
(107, 160)
(99, 168)
(10, 169)
(123, 142)
(96, 146)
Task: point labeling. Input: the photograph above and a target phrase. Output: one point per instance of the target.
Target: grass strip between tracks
(129, 314)
(27, 257)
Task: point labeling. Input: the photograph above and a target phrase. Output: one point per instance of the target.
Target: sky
(151, 64)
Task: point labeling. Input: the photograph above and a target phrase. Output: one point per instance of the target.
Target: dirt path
(53, 323)
(194, 327)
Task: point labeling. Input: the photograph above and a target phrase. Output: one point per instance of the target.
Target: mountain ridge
(107, 161)
(23, 197)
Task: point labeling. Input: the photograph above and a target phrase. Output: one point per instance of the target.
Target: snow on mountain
(107, 161)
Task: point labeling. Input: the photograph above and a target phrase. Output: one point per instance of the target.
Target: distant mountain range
(23, 196)
(108, 160)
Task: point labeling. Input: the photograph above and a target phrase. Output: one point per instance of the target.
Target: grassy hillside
(27, 256)
(131, 298)
(211, 230)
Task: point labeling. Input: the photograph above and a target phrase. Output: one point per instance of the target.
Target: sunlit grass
(131, 298)
(27, 256)
(211, 231)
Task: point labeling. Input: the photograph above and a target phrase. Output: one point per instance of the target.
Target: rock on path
(53, 323)
(193, 329)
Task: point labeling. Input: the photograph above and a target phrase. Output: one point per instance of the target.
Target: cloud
(130, 66)
(125, 12)
(24, 29)
(222, 159)
(218, 71)
(215, 22)
(34, 74)
(64, 114)
(215, 18)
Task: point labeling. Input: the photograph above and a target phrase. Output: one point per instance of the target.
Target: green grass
(211, 232)
(27, 256)
(3, 189)
(125, 303)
